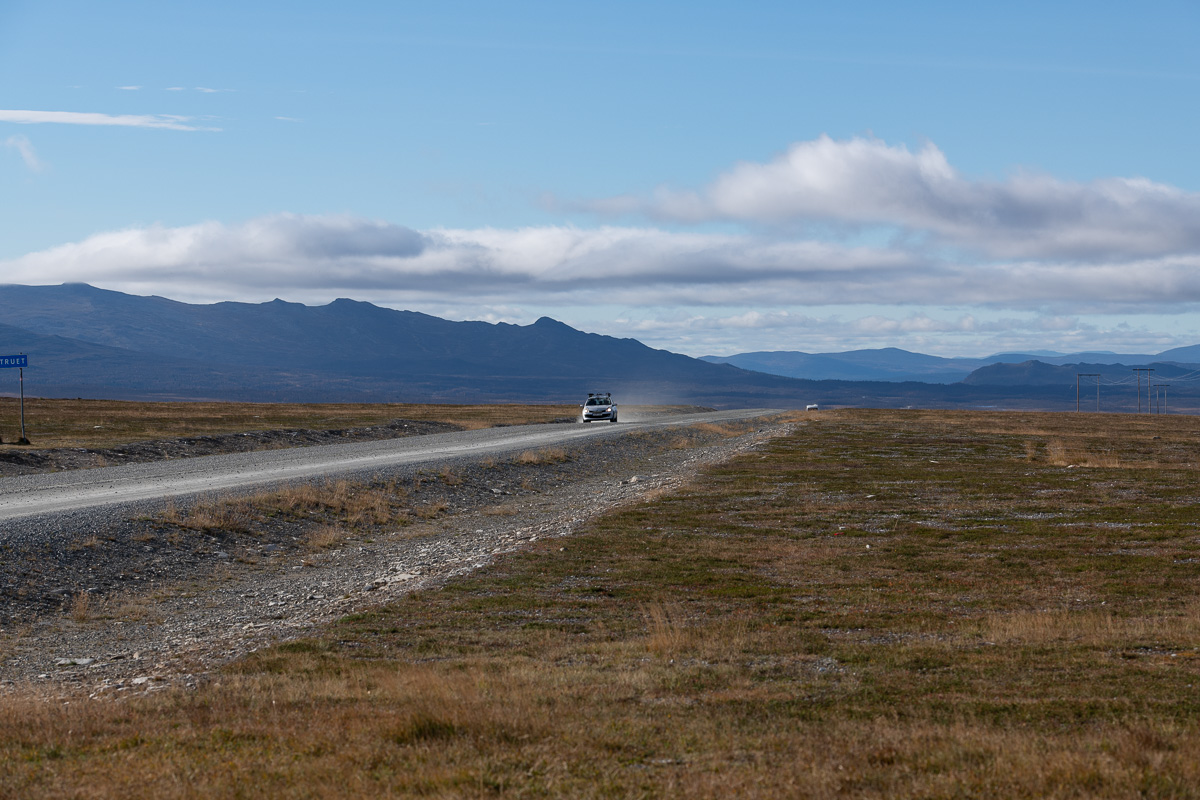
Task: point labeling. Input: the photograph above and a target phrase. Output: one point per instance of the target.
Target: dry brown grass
(350, 503)
(431, 510)
(1060, 454)
(209, 515)
(325, 537)
(668, 634)
(105, 423)
(444, 718)
(1094, 627)
(885, 605)
(548, 455)
(705, 432)
(81, 608)
(129, 607)
(723, 429)
(88, 543)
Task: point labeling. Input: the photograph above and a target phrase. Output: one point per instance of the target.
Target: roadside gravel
(32, 461)
(112, 604)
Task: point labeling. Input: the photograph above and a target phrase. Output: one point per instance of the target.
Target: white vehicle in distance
(599, 405)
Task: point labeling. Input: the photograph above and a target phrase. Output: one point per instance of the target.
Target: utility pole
(1163, 403)
(1095, 375)
(1139, 371)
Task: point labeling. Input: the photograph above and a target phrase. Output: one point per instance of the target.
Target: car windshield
(596, 401)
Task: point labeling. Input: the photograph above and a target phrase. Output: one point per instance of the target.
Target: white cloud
(329, 256)
(168, 121)
(129, 88)
(866, 182)
(966, 266)
(697, 293)
(23, 146)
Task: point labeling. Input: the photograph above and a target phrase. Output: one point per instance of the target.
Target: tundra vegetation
(105, 423)
(880, 604)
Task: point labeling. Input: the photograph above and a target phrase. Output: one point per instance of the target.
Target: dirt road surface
(35, 495)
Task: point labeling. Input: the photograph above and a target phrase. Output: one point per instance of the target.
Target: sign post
(20, 362)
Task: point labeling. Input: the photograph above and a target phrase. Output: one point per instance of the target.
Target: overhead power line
(1079, 375)
(1139, 371)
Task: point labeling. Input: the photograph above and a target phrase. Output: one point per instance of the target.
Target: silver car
(599, 406)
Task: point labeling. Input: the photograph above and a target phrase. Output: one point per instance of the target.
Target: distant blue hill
(1040, 373)
(895, 365)
(1182, 355)
(888, 364)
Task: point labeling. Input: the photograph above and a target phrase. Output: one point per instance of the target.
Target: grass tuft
(325, 537)
(667, 636)
(549, 455)
(80, 607)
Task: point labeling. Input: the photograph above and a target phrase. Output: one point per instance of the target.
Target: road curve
(37, 495)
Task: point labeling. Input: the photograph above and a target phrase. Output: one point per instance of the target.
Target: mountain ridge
(345, 350)
(90, 342)
(896, 365)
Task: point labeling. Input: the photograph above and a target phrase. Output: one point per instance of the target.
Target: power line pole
(1163, 403)
(1139, 371)
(1095, 375)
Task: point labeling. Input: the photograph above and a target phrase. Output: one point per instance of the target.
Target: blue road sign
(14, 361)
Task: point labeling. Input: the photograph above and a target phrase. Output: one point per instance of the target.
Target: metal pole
(21, 372)
(1139, 371)
(1161, 400)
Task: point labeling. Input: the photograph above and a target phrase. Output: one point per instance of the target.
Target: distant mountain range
(89, 342)
(892, 364)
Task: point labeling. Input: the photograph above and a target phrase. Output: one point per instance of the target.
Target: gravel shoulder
(34, 461)
(121, 603)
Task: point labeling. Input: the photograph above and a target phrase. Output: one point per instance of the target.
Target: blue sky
(705, 177)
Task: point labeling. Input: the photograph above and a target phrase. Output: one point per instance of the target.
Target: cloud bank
(865, 182)
(961, 259)
(329, 256)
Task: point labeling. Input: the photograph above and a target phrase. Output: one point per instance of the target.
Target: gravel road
(107, 600)
(38, 495)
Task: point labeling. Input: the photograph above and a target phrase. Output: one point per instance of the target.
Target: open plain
(850, 603)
